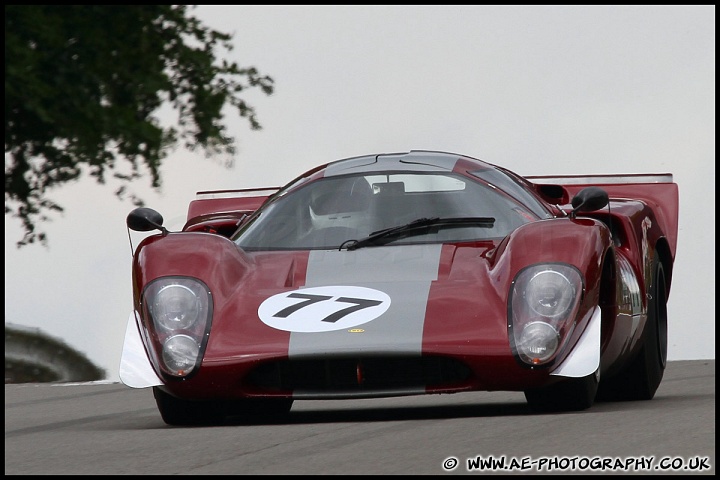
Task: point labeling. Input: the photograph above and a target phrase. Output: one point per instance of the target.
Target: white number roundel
(323, 309)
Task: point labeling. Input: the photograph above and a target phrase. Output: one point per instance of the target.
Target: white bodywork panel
(585, 358)
(135, 368)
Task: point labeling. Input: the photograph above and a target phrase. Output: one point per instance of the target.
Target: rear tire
(641, 379)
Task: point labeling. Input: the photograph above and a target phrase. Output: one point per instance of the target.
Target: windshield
(329, 212)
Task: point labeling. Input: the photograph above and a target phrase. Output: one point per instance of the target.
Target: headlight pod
(543, 303)
(178, 313)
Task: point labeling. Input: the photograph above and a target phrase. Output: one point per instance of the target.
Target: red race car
(404, 274)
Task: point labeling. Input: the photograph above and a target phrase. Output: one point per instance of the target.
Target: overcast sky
(537, 89)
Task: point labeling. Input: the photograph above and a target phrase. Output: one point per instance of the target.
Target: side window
(499, 179)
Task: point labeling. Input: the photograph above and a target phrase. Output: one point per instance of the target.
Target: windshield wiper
(417, 227)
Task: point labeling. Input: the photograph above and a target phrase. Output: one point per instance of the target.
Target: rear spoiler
(223, 211)
(657, 190)
(228, 201)
(615, 179)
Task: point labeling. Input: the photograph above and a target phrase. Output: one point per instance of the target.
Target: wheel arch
(607, 296)
(664, 256)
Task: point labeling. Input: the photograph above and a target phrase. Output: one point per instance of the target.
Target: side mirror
(144, 219)
(589, 199)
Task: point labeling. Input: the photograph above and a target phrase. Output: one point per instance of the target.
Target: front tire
(642, 378)
(180, 412)
(573, 394)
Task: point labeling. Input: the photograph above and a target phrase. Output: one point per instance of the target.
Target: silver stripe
(402, 272)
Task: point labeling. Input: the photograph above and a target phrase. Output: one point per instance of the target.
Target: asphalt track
(111, 429)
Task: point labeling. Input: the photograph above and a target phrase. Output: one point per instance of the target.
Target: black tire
(573, 394)
(642, 378)
(176, 411)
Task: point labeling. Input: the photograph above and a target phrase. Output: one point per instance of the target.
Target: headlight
(180, 354)
(175, 307)
(538, 342)
(543, 304)
(549, 293)
(178, 313)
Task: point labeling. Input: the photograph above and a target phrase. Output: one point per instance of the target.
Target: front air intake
(375, 373)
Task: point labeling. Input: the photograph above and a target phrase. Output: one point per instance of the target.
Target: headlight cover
(178, 313)
(543, 304)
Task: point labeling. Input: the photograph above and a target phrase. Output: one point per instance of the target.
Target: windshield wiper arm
(381, 237)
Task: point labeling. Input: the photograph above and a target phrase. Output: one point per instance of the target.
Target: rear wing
(222, 211)
(614, 179)
(657, 190)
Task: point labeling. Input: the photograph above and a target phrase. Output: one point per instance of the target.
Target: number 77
(359, 304)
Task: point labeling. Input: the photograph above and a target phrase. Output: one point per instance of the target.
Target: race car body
(404, 274)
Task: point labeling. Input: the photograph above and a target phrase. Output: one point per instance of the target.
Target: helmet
(340, 202)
